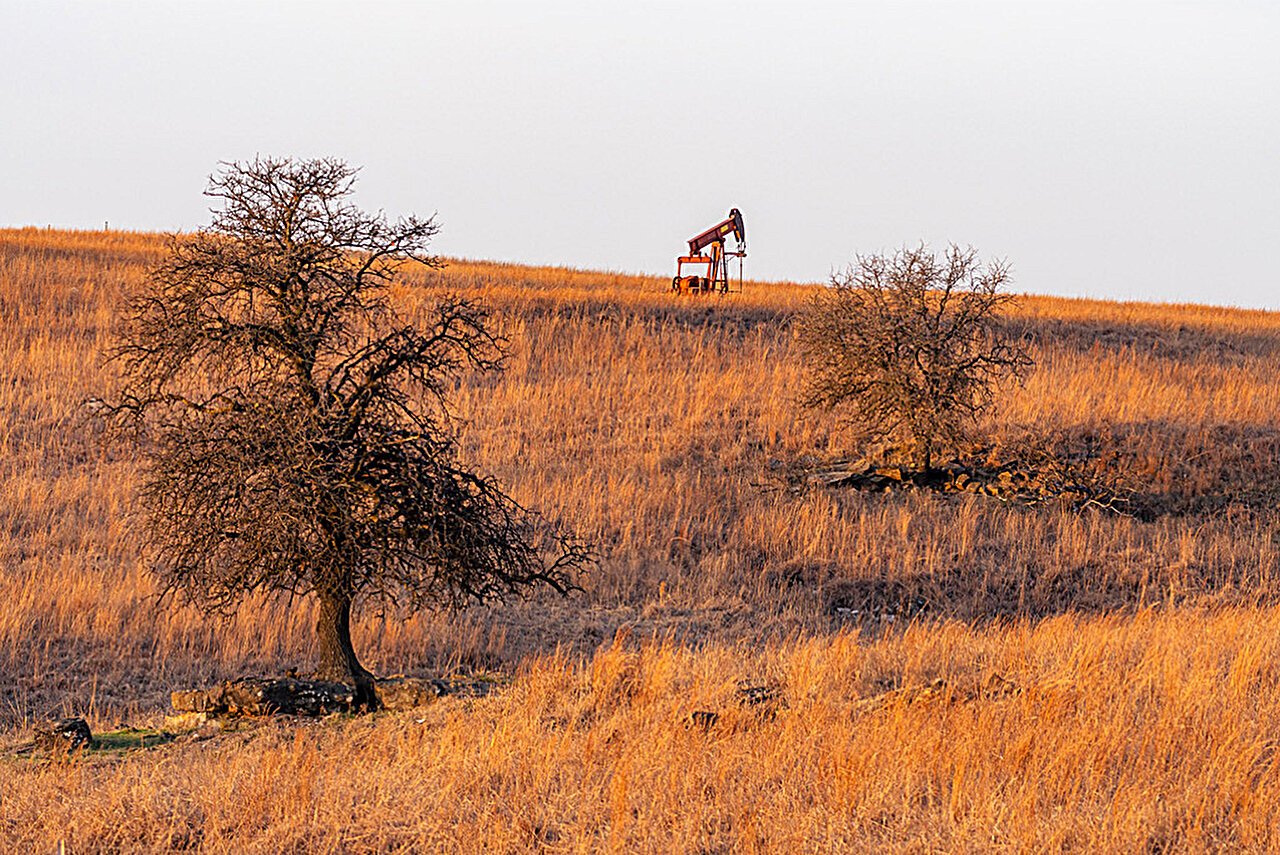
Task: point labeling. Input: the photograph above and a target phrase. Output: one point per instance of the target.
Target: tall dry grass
(1145, 733)
(663, 430)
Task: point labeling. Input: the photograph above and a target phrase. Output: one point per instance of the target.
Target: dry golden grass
(1143, 733)
(662, 429)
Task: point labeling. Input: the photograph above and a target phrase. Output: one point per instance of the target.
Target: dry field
(941, 672)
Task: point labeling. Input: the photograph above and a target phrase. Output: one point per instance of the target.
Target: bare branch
(296, 431)
(910, 346)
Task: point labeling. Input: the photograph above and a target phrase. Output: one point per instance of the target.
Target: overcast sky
(1121, 149)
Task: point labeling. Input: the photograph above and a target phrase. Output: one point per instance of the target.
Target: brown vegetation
(911, 346)
(1142, 649)
(295, 430)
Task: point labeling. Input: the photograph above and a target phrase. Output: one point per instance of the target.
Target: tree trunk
(338, 661)
(925, 456)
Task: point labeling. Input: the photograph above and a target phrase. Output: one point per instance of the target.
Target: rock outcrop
(63, 736)
(1049, 480)
(264, 696)
(293, 696)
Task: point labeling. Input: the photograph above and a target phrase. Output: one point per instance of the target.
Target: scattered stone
(264, 696)
(1040, 481)
(939, 688)
(291, 696)
(404, 693)
(63, 736)
(185, 721)
(702, 719)
(256, 696)
(465, 687)
(871, 601)
(995, 687)
(193, 701)
(765, 701)
(991, 688)
(206, 730)
(209, 729)
(754, 696)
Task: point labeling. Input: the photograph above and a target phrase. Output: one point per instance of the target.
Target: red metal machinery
(715, 261)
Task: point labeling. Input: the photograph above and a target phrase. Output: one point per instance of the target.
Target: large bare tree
(911, 346)
(296, 428)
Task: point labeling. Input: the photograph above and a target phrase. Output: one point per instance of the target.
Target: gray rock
(257, 696)
(64, 736)
(702, 719)
(403, 693)
(292, 696)
(264, 696)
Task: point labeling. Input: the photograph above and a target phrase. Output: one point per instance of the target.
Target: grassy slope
(658, 428)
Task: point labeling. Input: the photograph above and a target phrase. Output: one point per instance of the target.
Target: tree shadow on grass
(1173, 341)
(1164, 468)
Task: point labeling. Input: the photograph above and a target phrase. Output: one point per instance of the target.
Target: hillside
(1108, 679)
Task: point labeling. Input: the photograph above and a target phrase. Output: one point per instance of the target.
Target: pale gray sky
(1120, 149)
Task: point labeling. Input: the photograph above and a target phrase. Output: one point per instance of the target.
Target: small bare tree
(296, 429)
(910, 346)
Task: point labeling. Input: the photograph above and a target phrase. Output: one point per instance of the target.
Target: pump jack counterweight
(706, 250)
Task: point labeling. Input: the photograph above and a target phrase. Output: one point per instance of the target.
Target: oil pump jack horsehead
(706, 251)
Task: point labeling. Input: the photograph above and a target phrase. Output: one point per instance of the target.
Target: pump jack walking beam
(707, 249)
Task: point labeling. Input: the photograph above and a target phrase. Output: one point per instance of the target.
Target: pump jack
(715, 262)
